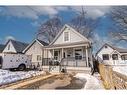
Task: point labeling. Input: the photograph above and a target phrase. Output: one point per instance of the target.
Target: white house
(35, 50)
(13, 46)
(70, 48)
(112, 55)
(12, 56)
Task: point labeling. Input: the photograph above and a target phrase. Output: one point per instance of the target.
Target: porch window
(105, 56)
(114, 56)
(66, 36)
(38, 57)
(78, 54)
(124, 57)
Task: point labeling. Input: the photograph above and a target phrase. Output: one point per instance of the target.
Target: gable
(35, 48)
(73, 36)
(9, 48)
(35, 42)
(105, 50)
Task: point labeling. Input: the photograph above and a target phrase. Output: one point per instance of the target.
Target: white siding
(34, 50)
(107, 50)
(73, 37)
(110, 51)
(12, 49)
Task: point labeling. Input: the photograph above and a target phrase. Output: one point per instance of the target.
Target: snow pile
(91, 81)
(7, 76)
(120, 69)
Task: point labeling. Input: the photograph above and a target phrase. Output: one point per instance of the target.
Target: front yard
(59, 81)
(7, 76)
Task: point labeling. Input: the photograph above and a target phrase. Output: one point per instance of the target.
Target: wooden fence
(112, 79)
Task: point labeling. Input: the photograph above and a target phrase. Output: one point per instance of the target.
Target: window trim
(68, 36)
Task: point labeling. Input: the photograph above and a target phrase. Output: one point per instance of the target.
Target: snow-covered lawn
(92, 82)
(121, 69)
(7, 76)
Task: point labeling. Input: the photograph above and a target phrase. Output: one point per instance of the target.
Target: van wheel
(22, 67)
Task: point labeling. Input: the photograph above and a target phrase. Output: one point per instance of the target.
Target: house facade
(70, 49)
(13, 46)
(112, 55)
(35, 50)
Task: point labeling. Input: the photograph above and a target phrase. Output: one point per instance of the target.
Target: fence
(112, 79)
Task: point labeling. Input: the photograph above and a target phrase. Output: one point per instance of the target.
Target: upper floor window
(115, 56)
(105, 56)
(66, 36)
(8, 47)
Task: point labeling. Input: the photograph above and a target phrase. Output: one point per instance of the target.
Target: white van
(20, 61)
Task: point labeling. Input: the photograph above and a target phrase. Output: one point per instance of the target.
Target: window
(106, 47)
(8, 47)
(38, 57)
(114, 56)
(105, 56)
(124, 57)
(66, 36)
(78, 54)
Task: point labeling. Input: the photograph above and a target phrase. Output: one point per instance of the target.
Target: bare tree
(83, 24)
(119, 15)
(49, 29)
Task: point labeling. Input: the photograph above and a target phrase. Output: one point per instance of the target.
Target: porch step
(86, 70)
(54, 69)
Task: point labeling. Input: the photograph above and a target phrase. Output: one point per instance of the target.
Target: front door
(57, 55)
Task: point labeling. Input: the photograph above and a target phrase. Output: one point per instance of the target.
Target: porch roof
(67, 45)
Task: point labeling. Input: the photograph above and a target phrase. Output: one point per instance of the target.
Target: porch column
(86, 56)
(62, 54)
(91, 57)
(53, 54)
(42, 57)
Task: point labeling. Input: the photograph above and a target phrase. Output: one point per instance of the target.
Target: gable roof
(64, 27)
(120, 50)
(42, 43)
(19, 46)
(1, 47)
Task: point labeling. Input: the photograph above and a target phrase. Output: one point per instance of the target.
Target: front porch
(73, 56)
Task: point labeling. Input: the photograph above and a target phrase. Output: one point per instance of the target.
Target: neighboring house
(35, 50)
(70, 48)
(13, 46)
(112, 55)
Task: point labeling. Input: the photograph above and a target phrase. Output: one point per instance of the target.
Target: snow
(7, 76)
(92, 82)
(121, 69)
